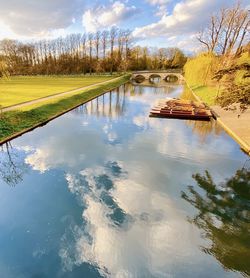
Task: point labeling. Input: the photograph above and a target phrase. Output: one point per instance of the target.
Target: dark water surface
(106, 191)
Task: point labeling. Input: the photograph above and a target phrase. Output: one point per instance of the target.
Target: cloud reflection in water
(136, 233)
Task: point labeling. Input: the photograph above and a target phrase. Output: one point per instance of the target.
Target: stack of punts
(180, 109)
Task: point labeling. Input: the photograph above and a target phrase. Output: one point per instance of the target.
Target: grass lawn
(206, 94)
(20, 89)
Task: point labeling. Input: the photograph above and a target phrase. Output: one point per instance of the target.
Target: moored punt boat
(179, 115)
(180, 109)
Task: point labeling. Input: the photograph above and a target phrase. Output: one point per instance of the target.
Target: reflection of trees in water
(160, 84)
(224, 216)
(204, 129)
(111, 104)
(136, 91)
(187, 94)
(12, 166)
(139, 90)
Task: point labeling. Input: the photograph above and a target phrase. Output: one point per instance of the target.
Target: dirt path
(236, 124)
(35, 101)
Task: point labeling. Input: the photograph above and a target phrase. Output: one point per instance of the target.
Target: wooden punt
(184, 116)
(181, 109)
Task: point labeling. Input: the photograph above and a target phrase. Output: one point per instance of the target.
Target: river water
(106, 191)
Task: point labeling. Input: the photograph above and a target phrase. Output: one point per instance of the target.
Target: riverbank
(16, 123)
(234, 123)
(223, 81)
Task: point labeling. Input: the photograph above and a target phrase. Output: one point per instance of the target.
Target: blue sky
(159, 23)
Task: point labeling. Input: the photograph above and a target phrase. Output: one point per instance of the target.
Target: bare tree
(127, 39)
(104, 38)
(113, 35)
(227, 31)
(90, 42)
(97, 43)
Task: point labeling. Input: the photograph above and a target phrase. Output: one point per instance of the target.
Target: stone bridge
(168, 76)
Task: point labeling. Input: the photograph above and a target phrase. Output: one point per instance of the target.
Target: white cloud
(187, 18)
(161, 6)
(158, 2)
(5, 31)
(107, 16)
(34, 18)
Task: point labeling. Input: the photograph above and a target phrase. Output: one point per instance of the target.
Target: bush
(200, 70)
(235, 81)
(3, 69)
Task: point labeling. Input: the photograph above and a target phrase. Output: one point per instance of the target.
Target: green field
(207, 94)
(19, 121)
(25, 88)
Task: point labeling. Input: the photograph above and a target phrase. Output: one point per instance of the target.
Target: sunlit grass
(206, 94)
(25, 88)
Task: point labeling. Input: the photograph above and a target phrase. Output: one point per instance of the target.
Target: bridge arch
(171, 78)
(167, 76)
(139, 78)
(154, 76)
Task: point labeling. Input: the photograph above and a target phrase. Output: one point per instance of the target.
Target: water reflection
(12, 166)
(205, 129)
(224, 216)
(130, 230)
(102, 193)
(158, 82)
(111, 105)
(140, 90)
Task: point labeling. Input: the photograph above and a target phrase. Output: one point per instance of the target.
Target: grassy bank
(204, 93)
(218, 79)
(207, 94)
(19, 89)
(14, 123)
(223, 82)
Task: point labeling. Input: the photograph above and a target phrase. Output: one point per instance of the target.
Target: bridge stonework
(162, 74)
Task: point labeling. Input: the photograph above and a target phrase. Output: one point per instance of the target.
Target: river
(106, 191)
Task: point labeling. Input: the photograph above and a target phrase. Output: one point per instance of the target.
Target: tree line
(107, 51)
